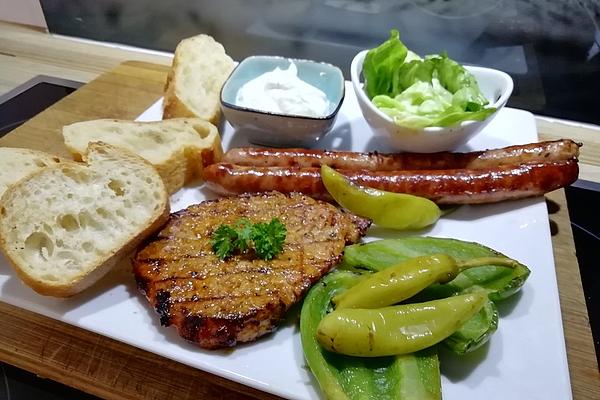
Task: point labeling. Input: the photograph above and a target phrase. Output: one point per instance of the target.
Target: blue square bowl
(282, 130)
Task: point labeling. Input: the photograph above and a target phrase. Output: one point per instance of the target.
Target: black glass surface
(18, 109)
(583, 199)
(549, 47)
(16, 384)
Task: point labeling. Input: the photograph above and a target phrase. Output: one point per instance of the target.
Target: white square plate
(525, 359)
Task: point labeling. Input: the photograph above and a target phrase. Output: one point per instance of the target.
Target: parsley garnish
(222, 241)
(266, 238)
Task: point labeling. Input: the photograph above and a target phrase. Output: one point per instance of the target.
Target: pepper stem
(481, 261)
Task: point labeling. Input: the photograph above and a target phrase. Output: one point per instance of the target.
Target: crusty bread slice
(65, 226)
(17, 163)
(200, 68)
(178, 148)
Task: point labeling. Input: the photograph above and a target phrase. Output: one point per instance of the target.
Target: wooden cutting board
(113, 370)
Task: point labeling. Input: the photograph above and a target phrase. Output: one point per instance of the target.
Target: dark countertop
(550, 48)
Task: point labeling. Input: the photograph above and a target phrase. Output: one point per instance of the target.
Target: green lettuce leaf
(412, 72)
(418, 93)
(380, 64)
(455, 78)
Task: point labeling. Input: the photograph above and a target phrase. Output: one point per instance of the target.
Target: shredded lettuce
(417, 92)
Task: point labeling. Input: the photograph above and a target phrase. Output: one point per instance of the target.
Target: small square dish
(280, 109)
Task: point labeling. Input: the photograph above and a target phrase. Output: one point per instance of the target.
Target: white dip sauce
(281, 91)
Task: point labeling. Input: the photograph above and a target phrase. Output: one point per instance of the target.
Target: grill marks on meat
(218, 303)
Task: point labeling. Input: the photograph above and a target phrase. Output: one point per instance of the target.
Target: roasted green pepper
(402, 281)
(398, 329)
(414, 375)
(386, 209)
(499, 282)
(410, 376)
(476, 331)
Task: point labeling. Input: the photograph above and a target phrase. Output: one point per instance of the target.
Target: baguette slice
(193, 89)
(65, 226)
(17, 163)
(177, 148)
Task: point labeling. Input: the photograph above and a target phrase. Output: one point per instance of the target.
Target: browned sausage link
(556, 150)
(458, 186)
(303, 158)
(227, 178)
(469, 186)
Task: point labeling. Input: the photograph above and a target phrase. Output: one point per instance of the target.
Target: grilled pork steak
(218, 303)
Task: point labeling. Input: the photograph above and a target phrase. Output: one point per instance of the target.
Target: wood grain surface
(73, 356)
(114, 370)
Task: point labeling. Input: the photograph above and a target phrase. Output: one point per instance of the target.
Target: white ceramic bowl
(495, 85)
(282, 130)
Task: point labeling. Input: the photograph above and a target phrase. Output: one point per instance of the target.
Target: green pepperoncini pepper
(386, 209)
(404, 280)
(498, 281)
(398, 329)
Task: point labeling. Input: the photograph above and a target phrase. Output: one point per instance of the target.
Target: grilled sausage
(564, 149)
(450, 186)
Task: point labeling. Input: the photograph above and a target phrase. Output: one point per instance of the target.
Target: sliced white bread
(178, 148)
(200, 68)
(17, 163)
(65, 226)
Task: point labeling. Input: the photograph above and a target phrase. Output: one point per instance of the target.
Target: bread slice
(193, 89)
(177, 148)
(65, 226)
(16, 163)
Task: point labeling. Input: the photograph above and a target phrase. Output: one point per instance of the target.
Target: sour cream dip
(281, 91)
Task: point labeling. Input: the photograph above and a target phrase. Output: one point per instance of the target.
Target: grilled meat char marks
(218, 303)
